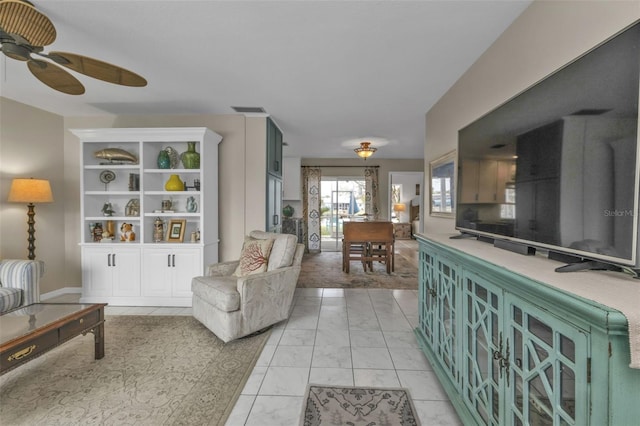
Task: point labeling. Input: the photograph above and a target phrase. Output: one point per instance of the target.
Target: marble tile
(333, 292)
(294, 337)
(254, 381)
(363, 322)
(331, 376)
(333, 321)
(240, 411)
(400, 339)
(275, 411)
(292, 356)
(334, 301)
(289, 381)
(308, 292)
(332, 338)
(436, 413)
(367, 339)
(424, 385)
(331, 356)
(409, 359)
(374, 358)
(373, 377)
(276, 335)
(394, 323)
(302, 322)
(265, 357)
(308, 301)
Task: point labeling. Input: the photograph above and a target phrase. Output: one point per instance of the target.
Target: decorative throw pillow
(254, 258)
(284, 248)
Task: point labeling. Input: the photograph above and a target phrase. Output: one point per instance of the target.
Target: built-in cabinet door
(168, 272)
(186, 265)
(274, 149)
(111, 271)
(274, 204)
(157, 273)
(97, 272)
(126, 271)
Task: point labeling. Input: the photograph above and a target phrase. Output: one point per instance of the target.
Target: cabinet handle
(109, 260)
(173, 260)
(168, 261)
(275, 219)
(113, 260)
(276, 166)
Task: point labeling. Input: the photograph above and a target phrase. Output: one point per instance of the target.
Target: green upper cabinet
(274, 149)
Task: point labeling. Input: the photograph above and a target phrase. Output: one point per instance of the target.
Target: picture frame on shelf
(176, 230)
(442, 185)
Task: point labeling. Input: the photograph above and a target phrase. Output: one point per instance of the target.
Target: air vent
(249, 110)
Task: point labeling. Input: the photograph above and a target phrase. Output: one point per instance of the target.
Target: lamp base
(31, 213)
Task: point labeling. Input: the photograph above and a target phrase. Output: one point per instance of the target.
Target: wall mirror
(442, 191)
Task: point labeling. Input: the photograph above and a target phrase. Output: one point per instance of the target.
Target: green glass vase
(164, 162)
(190, 158)
(174, 184)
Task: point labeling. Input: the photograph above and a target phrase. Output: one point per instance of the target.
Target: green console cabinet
(512, 350)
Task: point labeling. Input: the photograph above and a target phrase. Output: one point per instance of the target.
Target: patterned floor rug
(329, 405)
(324, 270)
(157, 370)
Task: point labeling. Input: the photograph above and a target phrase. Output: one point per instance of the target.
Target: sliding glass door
(342, 199)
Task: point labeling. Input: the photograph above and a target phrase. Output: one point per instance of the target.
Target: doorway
(341, 199)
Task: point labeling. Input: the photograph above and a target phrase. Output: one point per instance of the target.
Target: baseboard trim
(61, 292)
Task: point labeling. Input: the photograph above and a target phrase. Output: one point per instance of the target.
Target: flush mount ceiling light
(365, 151)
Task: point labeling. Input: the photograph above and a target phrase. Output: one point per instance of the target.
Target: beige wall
(548, 35)
(31, 146)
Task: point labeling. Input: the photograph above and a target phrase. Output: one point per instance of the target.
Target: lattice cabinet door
(427, 288)
(483, 349)
(447, 285)
(439, 289)
(548, 368)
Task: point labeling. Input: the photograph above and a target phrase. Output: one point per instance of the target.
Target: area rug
(324, 270)
(330, 405)
(157, 370)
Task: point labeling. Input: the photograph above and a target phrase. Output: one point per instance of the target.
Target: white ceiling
(328, 72)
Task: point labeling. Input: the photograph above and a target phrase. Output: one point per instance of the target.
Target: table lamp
(30, 191)
(399, 207)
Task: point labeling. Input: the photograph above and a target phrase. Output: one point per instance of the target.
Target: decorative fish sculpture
(116, 154)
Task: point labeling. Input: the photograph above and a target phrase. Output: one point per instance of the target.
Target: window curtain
(372, 202)
(311, 208)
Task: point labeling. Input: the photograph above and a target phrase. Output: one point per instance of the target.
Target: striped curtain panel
(311, 208)
(372, 202)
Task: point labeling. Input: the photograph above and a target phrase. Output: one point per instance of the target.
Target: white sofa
(233, 306)
(19, 283)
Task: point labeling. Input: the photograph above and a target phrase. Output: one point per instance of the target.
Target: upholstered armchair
(19, 283)
(241, 297)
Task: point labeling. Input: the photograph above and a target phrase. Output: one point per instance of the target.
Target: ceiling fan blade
(21, 18)
(55, 77)
(97, 69)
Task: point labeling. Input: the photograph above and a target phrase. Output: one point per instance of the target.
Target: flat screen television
(557, 167)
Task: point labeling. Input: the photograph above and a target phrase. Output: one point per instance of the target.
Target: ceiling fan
(24, 32)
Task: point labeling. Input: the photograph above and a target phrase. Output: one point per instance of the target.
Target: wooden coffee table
(30, 331)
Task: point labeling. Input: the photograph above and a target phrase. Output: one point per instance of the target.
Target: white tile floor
(354, 337)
